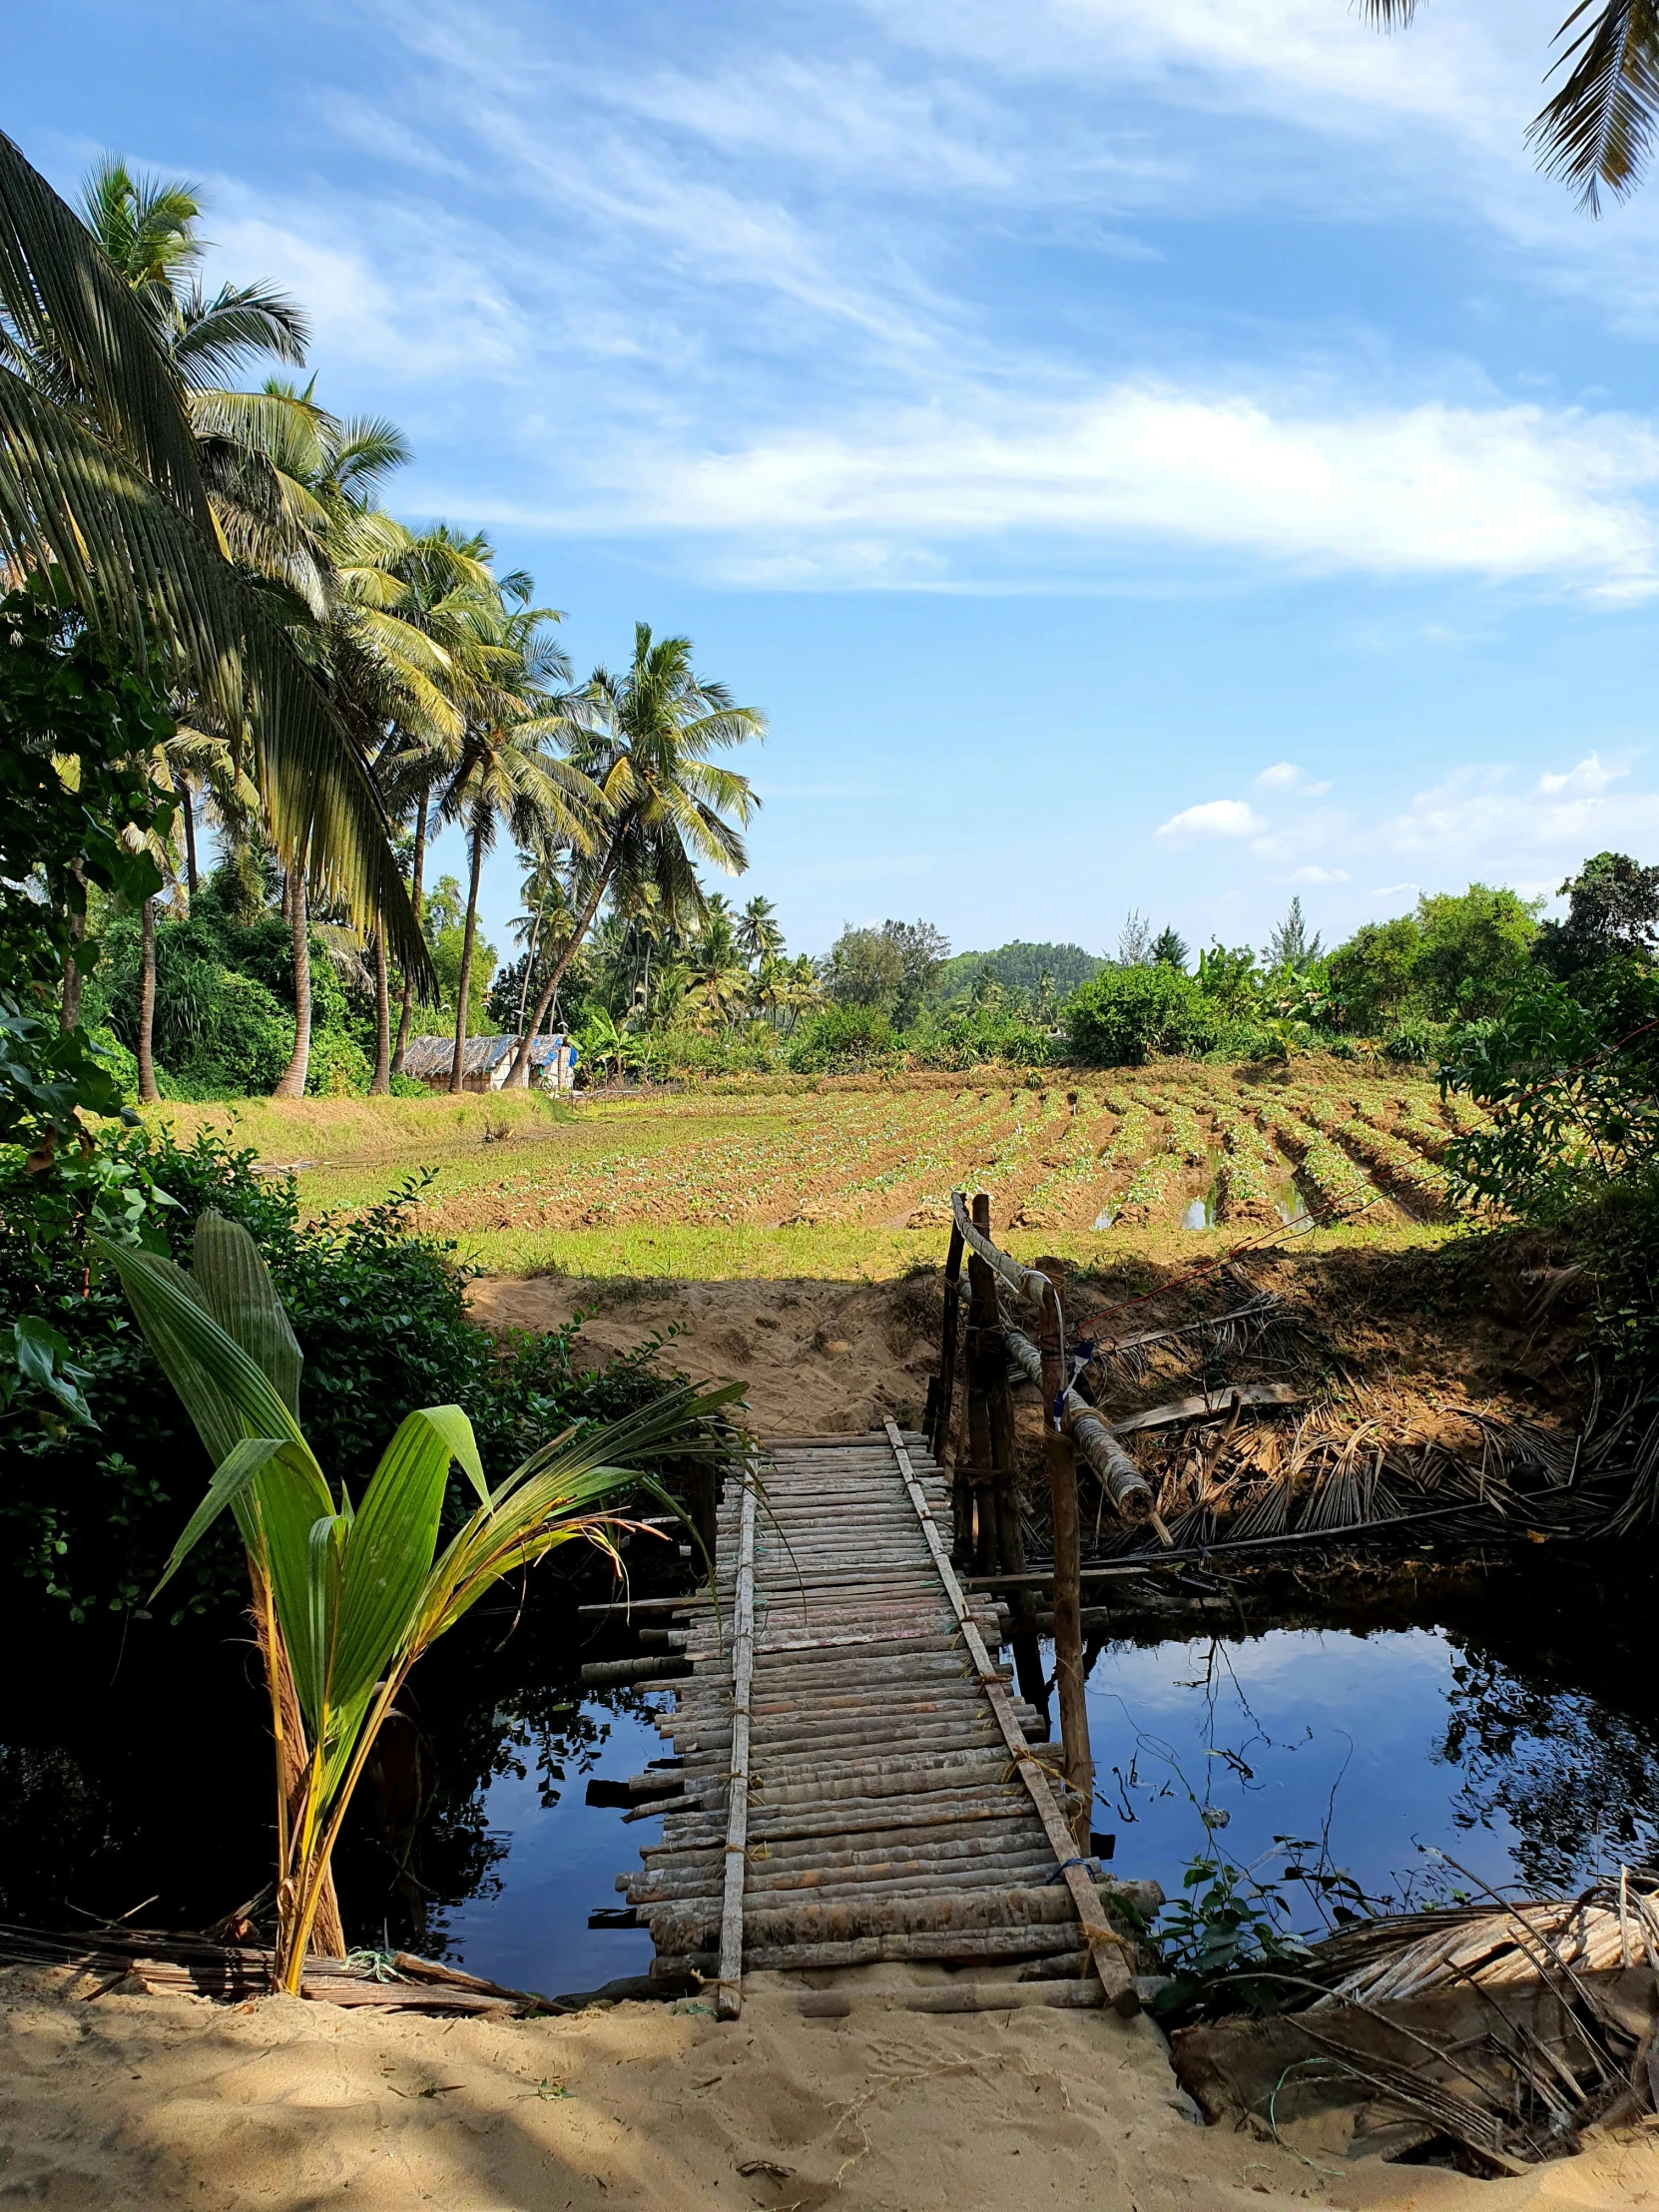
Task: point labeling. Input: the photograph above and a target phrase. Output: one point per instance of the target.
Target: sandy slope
(126, 2101)
(820, 1357)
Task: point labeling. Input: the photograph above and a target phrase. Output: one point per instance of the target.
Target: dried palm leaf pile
(155, 1962)
(1279, 1444)
(1503, 2034)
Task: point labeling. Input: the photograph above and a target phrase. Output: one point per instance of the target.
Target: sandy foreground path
(149, 2101)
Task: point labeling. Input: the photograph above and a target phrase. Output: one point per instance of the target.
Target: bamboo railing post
(1010, 1536)
(1108, 1952)
(939, 1432)
(983, 1284)
(1062, 1497)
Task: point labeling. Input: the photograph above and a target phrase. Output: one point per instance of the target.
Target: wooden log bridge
(857, 1781)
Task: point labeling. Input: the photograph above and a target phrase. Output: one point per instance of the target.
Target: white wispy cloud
(1214, 817)
(1504, 492)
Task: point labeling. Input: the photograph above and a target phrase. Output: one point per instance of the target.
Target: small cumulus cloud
(1589, 780)
(1284, 775)
(1393, 890)
(1320, 875)
(1216, 818)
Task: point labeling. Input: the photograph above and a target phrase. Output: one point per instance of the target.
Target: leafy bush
(338, 1065)
(1126, 1014)
(87, 1513)
(841, 1039)
(1569, 1077)
(1415, 1039)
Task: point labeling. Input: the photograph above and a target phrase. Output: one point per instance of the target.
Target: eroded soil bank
(1497, 1323)
(117, 2101)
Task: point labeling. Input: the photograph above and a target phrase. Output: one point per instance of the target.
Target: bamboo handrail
(1129, 1491)
(729, 1992)
(1039, 1288)
(1107, 1949)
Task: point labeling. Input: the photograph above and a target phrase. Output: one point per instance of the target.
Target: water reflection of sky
(561, 1863)
(1320, 1724)
(1280, 1732)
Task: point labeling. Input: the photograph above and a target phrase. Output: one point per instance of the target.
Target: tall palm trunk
(529, 966)
(458, 1067)
(380, 1085)
(416, 879)
(188, 811)
(292, 1081)
(147, 1004)
(519, 1073)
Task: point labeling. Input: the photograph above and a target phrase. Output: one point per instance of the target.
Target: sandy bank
(819, 1357)
(126, 2101)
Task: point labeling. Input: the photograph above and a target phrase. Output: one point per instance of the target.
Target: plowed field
(852, 1177)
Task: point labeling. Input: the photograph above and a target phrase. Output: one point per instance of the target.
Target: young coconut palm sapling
(348, 1598)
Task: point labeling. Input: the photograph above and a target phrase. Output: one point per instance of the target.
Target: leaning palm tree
(645, 737)
(103, 487)
(1596, 130)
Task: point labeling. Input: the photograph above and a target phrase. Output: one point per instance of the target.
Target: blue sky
(1168, 453)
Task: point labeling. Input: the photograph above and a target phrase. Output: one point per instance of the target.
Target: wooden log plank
(729, 1994)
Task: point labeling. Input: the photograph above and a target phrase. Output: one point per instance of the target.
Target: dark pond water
(1512, 1725)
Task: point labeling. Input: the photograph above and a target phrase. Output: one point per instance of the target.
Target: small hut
(552, 1062)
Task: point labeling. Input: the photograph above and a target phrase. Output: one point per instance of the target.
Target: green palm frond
(110, 494)
(1596, 132)
(214, 336)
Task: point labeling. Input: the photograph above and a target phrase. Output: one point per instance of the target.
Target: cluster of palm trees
(644, 976)
(337, 675)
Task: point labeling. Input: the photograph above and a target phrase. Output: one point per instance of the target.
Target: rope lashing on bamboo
(1032, 1284)
(1129, 1491)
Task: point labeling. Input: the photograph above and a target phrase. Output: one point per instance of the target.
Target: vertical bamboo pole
(1010, 1538)
(1062, 1498)
(982, 1286)
(940, 1432)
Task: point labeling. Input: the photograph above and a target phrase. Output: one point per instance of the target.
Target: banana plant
(347, 1597)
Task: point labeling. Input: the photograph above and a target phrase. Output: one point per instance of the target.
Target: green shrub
(338, 1066)
(1126, 1014)
(87, 1515)
(1415, 1039)
(120, 1062)
(842, 1040)
(409, 1086)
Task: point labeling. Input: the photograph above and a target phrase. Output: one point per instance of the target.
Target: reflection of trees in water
(1577, 1781)
(489, 1706)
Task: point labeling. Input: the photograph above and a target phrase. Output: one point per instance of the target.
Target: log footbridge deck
(858, 1780)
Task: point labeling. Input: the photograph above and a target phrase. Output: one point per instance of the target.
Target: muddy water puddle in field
(1513, 1728)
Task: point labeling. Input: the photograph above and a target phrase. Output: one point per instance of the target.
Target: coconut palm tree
(760, 938)
(103, 487)
(451, 590)
(722, 984)
(375, 666)
(1596, 130)
(645, 740)
(511, 770)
